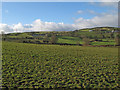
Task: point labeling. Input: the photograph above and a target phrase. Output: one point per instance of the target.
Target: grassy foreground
(53, 66)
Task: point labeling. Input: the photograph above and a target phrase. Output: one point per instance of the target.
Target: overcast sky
(57, 16)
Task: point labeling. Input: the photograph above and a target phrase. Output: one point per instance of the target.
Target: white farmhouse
(90, 30)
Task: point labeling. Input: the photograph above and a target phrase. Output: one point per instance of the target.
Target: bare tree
(86, 41)
(78, 43)
(46, 39)
(54, 39)
(117, 40)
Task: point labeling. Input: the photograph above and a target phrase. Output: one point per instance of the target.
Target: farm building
(90, 30)
(114, 31)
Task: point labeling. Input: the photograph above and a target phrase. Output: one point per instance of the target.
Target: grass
(103, 43)
(69, 40)
(22, 35)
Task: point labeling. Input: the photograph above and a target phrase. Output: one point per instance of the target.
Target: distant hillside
(100, 28)
(88, 36)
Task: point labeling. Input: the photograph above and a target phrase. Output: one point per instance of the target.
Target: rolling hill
(94, 36)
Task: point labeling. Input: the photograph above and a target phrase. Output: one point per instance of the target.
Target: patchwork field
(54, 66)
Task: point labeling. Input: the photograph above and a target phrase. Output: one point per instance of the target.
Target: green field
(55, 66)
(103, 43)
(69, 40)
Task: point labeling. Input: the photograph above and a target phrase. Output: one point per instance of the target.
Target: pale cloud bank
(97, 21)
(38, 25)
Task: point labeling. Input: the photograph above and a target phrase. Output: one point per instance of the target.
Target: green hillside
(90, 36)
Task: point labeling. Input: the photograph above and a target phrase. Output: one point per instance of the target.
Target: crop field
(54, 66)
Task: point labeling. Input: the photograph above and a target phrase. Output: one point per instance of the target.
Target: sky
(57, 16)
